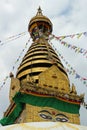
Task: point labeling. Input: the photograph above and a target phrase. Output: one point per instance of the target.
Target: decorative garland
(78, 35)
(71, 70)
(21, 99)
(11, 38)
(75, 48)
(4, 81)
(59, 38)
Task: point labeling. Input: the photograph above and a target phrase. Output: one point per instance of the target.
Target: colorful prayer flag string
(71, 70)
(72, 47)
(78, 35)
(11, 38)
(20, 54)
(4, 81)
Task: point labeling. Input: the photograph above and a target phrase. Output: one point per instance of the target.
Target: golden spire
(39, 21)
(39, 11)
(40, 55)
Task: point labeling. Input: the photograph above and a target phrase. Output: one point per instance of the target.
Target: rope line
(71, 70)
(77, 35)
(12, 38)
(72, 47)
(19, 57)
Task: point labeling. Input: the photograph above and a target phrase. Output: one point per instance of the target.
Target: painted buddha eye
(45, 116)
(64, 120)
(58, 119)
(61, 119)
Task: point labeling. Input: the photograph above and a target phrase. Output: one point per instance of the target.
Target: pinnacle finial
(39, 11)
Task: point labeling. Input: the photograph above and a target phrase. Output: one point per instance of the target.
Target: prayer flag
(79, 35)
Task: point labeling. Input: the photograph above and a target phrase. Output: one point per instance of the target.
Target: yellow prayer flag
(79, 35)
(62, 37)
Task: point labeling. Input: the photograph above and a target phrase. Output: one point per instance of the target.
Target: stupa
(41, 90)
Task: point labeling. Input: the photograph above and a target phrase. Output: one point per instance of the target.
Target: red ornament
(53, 113)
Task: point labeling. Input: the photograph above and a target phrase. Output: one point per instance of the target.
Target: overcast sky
(68, 17)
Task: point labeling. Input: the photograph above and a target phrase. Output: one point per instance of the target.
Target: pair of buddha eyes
(48, 116)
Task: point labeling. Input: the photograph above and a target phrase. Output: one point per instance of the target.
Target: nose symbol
(53, 120)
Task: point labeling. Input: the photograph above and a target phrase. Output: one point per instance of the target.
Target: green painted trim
(13, 116)
(47, 102)
(22, 99)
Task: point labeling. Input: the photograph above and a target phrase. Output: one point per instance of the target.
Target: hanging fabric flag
(51, 37)
(77, 76)
(4, 81)
(71, 70)
(72, 36)
(62, 37)
(79, 35)
(14, 37)
(85, 33)
(75, 48)
(84, 78)
(21, 53)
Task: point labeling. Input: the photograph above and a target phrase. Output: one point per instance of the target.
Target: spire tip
(39, 12)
